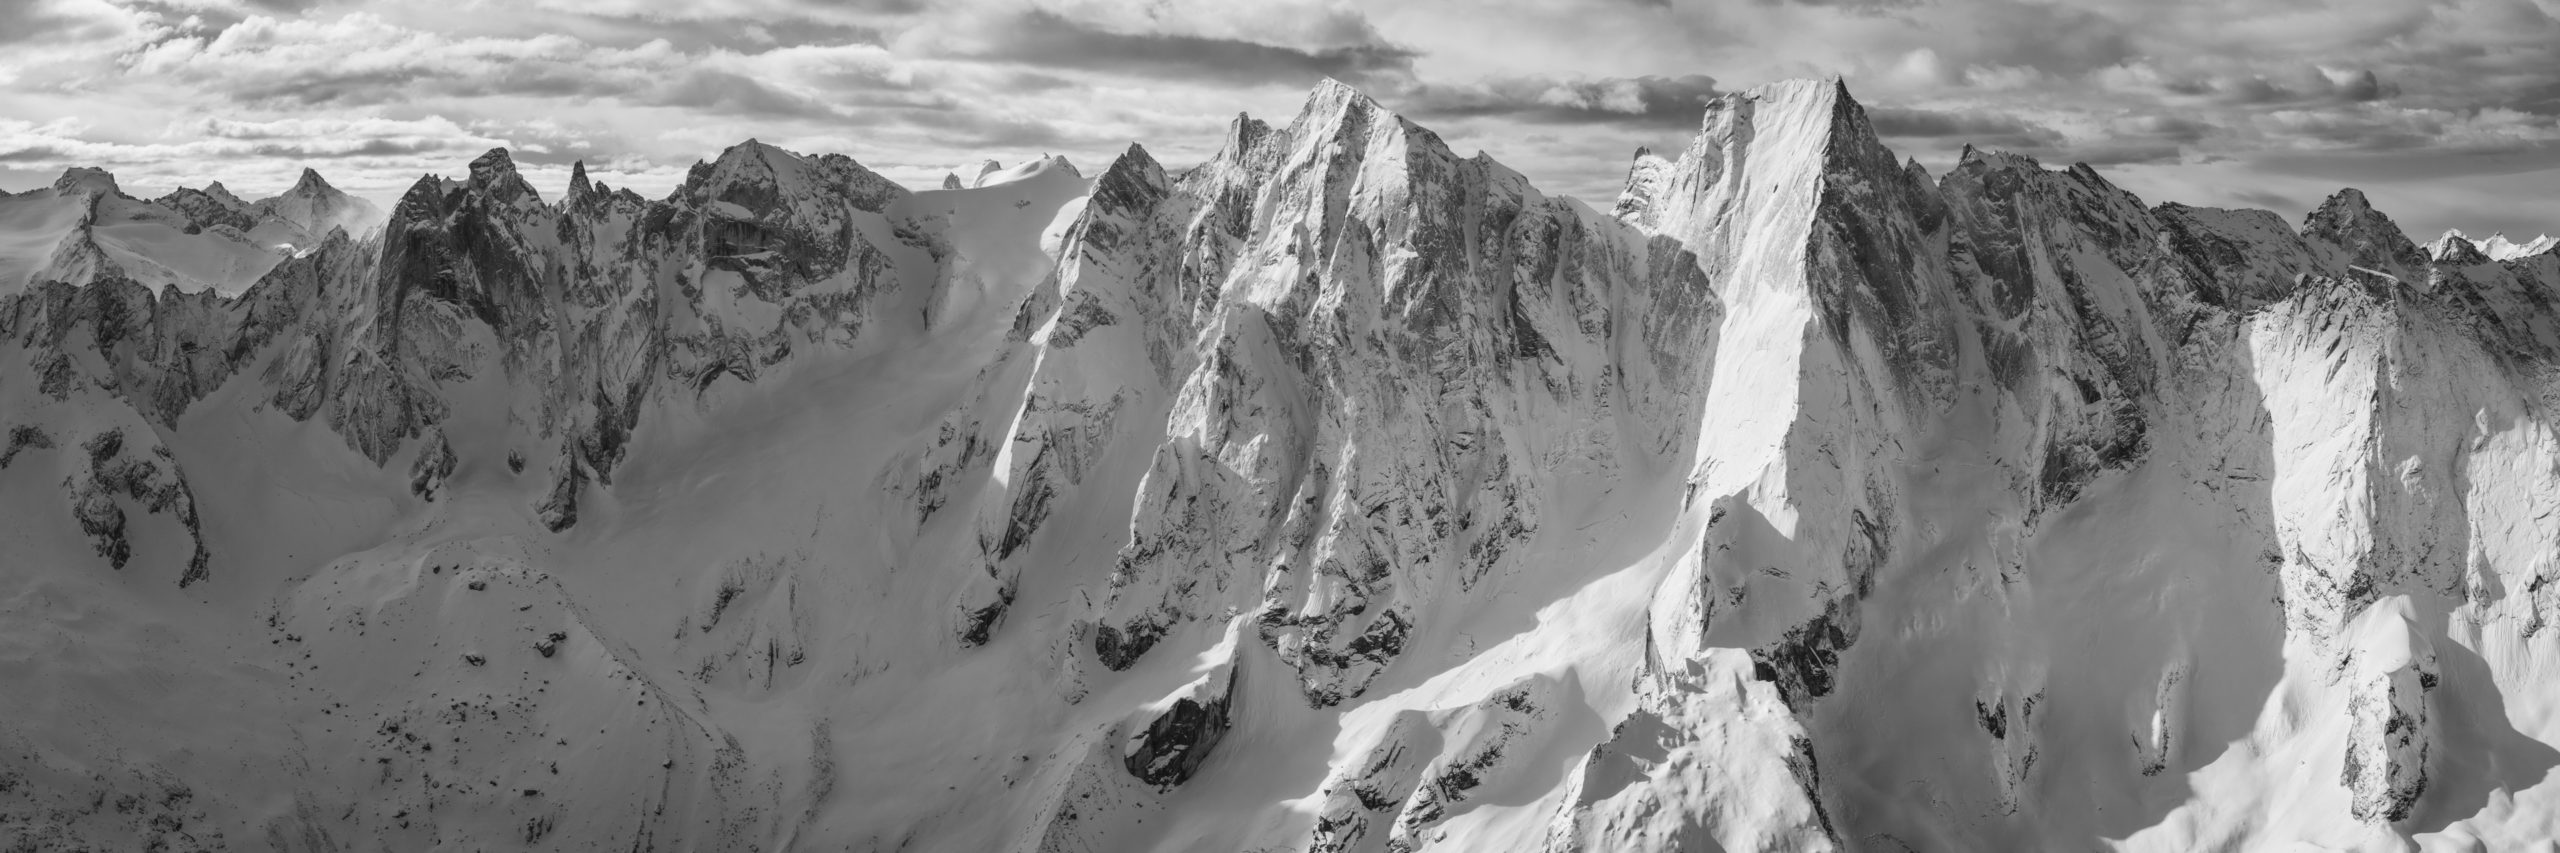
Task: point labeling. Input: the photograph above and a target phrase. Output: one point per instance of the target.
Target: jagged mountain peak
(2454, 248)
(1646, 172)
(305, 213)
(2078, 188)
(427, 189)
(1995, 159)
(2081, 174)
(2348, 213)
(2356, 235)
(2499, 248)
(1759, 143)
(768, 168)
(2437, 247)
(495, 173)
(1132, 183)
(755, 150)
(1329, 95)
(2346, 203)
(1339, 473)
(490, 163)
(85, 179)
(1243, 132)
(1245, 136)
(225, 196)
(1809, 95)
(1336, 111)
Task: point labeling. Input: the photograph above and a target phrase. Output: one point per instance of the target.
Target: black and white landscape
(1333, 491)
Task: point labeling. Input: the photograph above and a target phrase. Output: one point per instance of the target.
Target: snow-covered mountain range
(1338, 493)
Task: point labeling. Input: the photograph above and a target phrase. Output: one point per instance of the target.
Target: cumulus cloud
(362, 59)
(1558, 88)
(1673, 101)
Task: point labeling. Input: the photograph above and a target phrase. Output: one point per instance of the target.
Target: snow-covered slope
(1337, 493)
(84, 229)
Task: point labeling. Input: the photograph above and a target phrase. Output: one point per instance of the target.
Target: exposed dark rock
(23, 437)
(1178, 738)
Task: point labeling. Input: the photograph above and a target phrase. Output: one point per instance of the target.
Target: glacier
(1336, 493)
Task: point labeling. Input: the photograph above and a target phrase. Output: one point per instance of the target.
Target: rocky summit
(1335, 493)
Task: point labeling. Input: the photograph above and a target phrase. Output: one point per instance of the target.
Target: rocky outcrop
(1709, 756)
(24, 437)
(1176, 734)
(1478, 750)
(2348, 233)
(145, 474)
(2391, 670)
(1326, 410)
(1343, 471)
(434, 464)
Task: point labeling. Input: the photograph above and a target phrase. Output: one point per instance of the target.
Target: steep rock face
(1838, 336)
(1179, 732)
(1087, 371)
(1337, 493)
(763, 249)
(2376, 514)
(466, 280)
(2247, 257)
(1259, 321)
(2348, 232)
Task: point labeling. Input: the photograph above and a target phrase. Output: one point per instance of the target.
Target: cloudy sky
(2447, 112)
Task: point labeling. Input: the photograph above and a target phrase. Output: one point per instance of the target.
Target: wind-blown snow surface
(1336, 494)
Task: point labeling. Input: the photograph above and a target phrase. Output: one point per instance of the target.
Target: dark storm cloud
(1655, 101)
(1045, 38)
(2539, 98)
(2309, 86)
